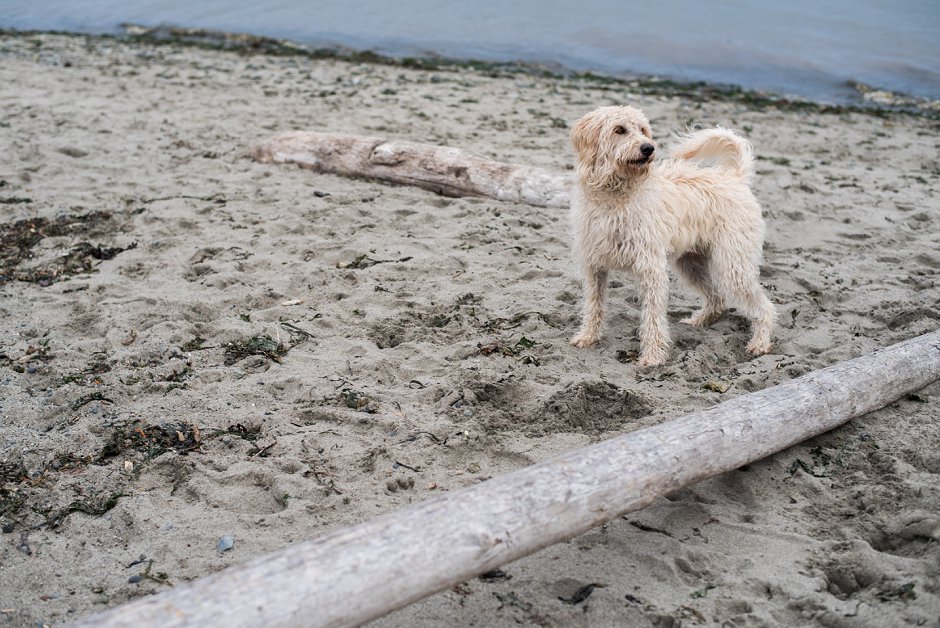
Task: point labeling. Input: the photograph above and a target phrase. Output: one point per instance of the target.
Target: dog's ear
(585, 135)
(594, 163)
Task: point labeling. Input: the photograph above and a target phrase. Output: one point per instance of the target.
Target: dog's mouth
(639, 161)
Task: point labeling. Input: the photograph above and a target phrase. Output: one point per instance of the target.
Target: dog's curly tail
(717, 147)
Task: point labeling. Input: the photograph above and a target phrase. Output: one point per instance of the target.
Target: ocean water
(812, 49)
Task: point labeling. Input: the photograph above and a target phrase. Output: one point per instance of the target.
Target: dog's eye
(619, 130)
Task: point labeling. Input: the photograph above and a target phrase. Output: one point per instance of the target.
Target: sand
(133, 427)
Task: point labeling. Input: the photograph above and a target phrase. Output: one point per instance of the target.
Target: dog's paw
(699, 319)
(652, 357)
(583, 340)
(703, 317)
(759, 347)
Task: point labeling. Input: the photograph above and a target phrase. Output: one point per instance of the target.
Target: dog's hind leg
(693, 269)
(735, 275)
(595, 292)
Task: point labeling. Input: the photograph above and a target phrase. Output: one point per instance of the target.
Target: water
(808, 48)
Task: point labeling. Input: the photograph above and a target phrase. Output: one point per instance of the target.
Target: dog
(693, 210)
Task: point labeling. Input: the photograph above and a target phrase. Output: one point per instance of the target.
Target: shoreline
(204, 359)
(871, 99)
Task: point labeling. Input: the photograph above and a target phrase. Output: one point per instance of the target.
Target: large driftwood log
(363, 572)
(447, 171)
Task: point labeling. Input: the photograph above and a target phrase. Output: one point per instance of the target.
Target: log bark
(368, 570)
(447, 171)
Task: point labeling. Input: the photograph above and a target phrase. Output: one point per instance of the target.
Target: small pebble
(135, 579)
(31, 368)
(225, 543)
(227, 440)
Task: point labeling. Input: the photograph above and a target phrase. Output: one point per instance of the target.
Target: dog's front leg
(595, 291)
(654, 328)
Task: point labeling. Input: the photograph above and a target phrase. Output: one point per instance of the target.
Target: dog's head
(613, 145)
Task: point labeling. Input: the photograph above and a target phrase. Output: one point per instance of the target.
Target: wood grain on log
(447, 171)
(366, 571)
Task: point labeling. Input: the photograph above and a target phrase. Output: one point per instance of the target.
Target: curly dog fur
(693, 210)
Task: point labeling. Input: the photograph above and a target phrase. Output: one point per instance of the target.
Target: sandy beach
(204, 358)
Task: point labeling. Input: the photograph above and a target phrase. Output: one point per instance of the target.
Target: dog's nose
(647, 149)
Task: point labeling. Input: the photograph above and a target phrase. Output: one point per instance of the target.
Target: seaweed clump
(19, 238)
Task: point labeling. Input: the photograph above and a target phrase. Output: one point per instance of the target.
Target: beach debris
(798, 465)
(261, 452)
(95, 506)
(225, 543)
(904, 592)
(15, 200)
(19, 238)
(291, 302)
(654, 377)
(443, 169)
(151, 440)
(581, 594)
(693, 614)
(255, 345)
(196, 344)
(86, 399)
(328, 484)
(98, 365)
(33, 353)
(364, 261)
(718, 387)
(498, 346)
(130, 338)
(159, 578)
(425, 434)
(625, 357)
(497, 324)
(701, 592)
(495, 575)
(248, 433)
(297, 334)
(358, 400)
(439, 320)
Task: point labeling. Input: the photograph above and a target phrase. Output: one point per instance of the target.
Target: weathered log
(363, 572)
(447, 171)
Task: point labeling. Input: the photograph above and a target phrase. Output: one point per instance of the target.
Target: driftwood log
(447, 171)
(366, 571)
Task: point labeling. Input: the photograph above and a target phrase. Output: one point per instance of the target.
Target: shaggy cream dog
(693, 210)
